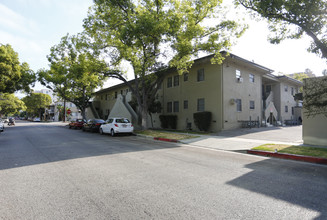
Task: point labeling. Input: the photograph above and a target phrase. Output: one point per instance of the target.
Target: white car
(37, 120)
(2, 126)
(116, 126)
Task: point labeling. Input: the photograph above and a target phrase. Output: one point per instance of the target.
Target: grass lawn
(165, 134)
(297, 150)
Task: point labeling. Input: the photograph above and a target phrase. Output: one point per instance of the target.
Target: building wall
(191, 90)
(287, 99)
(246, 91)
(315, 128)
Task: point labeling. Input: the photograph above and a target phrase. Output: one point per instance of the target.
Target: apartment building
(238, 90)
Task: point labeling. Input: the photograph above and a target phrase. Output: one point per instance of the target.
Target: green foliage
(315, 96)
(150, 34)
(74, 71)
(13, 75)
(168, 121)
(10, 104)
(300, 77)
(36, 102)
(293, 18)
(202, 120)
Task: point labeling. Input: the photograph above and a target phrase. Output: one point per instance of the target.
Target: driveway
(245, 139)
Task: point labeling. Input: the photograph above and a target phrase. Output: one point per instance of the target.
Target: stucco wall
(315, 128)
(246, 91)
(192, 90)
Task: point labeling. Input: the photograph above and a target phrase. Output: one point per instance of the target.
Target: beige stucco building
(235, 92)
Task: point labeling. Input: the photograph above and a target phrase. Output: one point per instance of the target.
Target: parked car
(5, 120)
(2, 126)
(116, 126)
(93, 125)
(36, 119)
(78, 123)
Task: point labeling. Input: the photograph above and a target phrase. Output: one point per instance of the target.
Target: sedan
(2, 126)
(117, 125)
(93, 125)
(78, 123)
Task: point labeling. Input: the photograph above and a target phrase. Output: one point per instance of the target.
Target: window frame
(185, 104)
(252, 107)
(200, 106)
(238, 105)
(169, 82)
(238, 74)
(200, 75)
(176, 82)
(169, 107)
(176, 106)
(185, 77)
(251, 78)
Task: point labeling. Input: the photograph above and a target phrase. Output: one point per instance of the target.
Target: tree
(13, 75)
(10, 104)
(74, 72)
(324, 72)
(151, 35)
(36, 103)
(293, 18)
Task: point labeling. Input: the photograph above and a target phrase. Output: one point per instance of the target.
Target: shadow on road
(274, 185)
(25, 145)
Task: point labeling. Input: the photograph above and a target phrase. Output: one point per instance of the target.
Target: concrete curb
(165, 139)
(309, 159)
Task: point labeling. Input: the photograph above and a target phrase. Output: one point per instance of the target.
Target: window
(292, 90)
(102, 97)
(200, 105)
(251, 105)
(126, 91)
(169, 82)
(106, 96)
(286, 88)
(200, 75)
(176, 106)
(238, 74)
(286, 108)
(238, 105)
(121, 92)
(292, 110)
(169, 107)
(116, 95)
(185, 104)
(185, 75)
(251, 76)
(176, 80)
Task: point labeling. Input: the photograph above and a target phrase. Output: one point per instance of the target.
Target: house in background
(238, 90)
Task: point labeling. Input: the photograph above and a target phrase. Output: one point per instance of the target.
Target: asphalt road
(52, 172)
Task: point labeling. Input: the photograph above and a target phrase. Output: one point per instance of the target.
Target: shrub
(168, 121)
(202, 120)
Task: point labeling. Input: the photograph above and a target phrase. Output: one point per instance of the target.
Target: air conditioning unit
(240, 80)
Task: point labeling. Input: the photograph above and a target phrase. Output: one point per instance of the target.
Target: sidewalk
(245, 139)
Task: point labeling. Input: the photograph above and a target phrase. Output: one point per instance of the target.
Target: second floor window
(176, 80)
(238, 74)
(116, 95)
(251, 78)
(286, 88)
(169, 82)
(286, 108)
(200, 75)
(185, 75)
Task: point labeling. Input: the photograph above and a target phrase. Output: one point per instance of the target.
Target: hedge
(168, 121)
(202, 120)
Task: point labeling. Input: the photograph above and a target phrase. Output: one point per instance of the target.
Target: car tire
(83, 129)
(112, 133)
(70, 127)
(101, 131)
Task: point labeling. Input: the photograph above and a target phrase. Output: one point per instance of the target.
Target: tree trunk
(83, 113)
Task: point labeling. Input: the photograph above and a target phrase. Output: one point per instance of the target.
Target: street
(48, 171)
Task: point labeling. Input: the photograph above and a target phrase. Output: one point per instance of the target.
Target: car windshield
(79, 120)
(122, 120)
(99, 121)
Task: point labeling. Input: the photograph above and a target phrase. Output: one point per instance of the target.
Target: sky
(32, 27)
